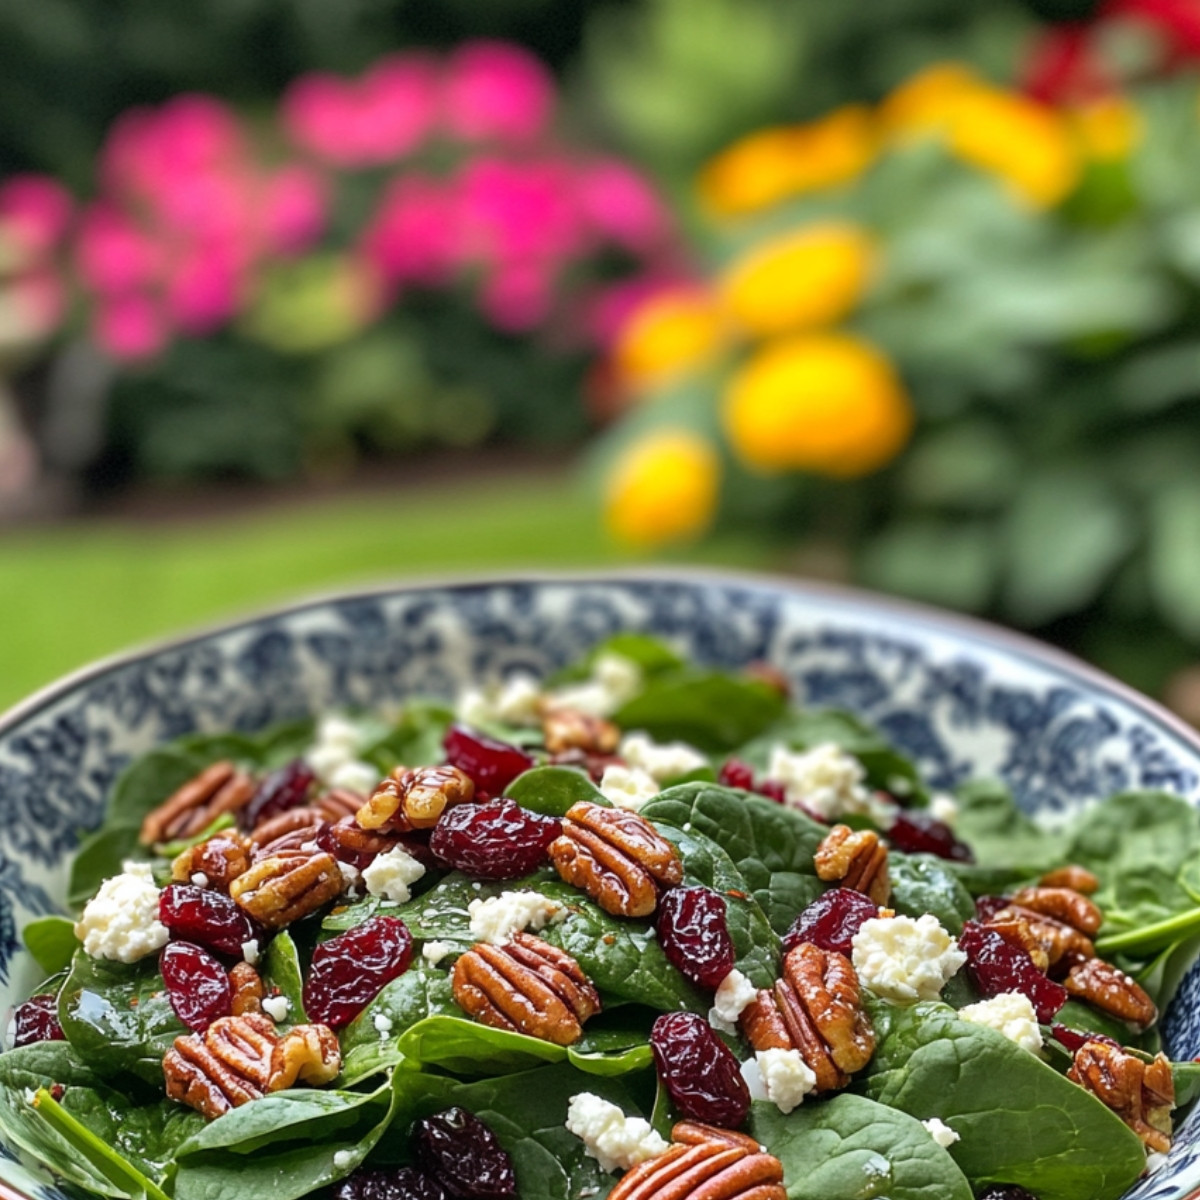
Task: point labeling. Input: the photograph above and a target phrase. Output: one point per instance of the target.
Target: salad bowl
(961, 699)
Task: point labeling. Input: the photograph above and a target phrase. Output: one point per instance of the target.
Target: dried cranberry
(403, 1184)
(350, 970)
(201, 915)
(1006, 1191)
(280, 790)
(831, 921)
(464, 1156)
(986, 907)
(737, 774)
(997, 966)
(1072, 1039)
(699, 1070)
(496, 840)
(37, 1021)
(492, 765)
(197, 985)
(694, 935)
(916, 832)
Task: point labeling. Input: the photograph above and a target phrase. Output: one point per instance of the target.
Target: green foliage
(552, 790)
(52, 942)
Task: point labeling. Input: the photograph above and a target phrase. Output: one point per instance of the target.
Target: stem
(1152, 937)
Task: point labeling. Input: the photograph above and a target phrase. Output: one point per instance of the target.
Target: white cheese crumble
(351, 877)
(614, 680)
(733, 995)
(943, 808)
(941, 1132)
(827, 781)
(904, 960)
(333, 756)
(609, 1136)
(1155, 1162)
(389, 875)
(1009, 1013)
(382, 1023)
(497, 918)
(250, 951)
(661, 760)
(434, 952)
(199, 879)
(121, 921)
(628, 787)
(781, 1076)
(515, 701)
(343, 1160)
(277, 1008)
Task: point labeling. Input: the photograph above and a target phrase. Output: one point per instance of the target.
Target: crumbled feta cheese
(614, 680)
(389, 875)
(199, 879)
(277, 1008)
(1009, 1013)
(250, 951)
(904, 960)
(609, 1136)
(121, 921)
(497, 918)
(336, 730)
(343, 1160)
(733, 994)
(516, 701)
(628, 787)
(434, 952)
(30, 1095)
(351, 877)
(827, 781)
(781, 1076)
(354, 776)
(662, 760)
(941, 1132)
(943, 808)
(382, 1023)
(333, 756)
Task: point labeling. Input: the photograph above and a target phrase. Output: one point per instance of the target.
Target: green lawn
(73, 593)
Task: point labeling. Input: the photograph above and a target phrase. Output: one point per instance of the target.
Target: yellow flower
(667, 335)
(825, 402)
(1109, 129)
(811, 276)
(771, 165)
(928, 102)
(663, 488)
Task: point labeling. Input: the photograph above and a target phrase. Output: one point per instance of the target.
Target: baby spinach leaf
(281, 969)
(651, 655)
(421, 992)
(1186, 1077)
(98, 858)
(366, 1060)
(1002, 836)
(552, 790)
(416, 738)
(118, 1017)
(52, 942)
(1077, 1015)
(850, 1148)
(921, 884)
(1019, 1121)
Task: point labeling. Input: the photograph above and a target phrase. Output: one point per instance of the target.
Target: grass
(73, 593)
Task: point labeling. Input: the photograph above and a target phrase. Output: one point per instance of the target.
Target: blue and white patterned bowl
(961, 698)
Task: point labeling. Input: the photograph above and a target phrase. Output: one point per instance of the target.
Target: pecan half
(816, 1008)
(217, 790)
(339, 803)
(1063, 904)
(1064, 944)
(285, 887)
(247, 989)
(238, 1059)
(415, 798)
(1078, 879)
(526, 986)
(266, 834)
(566, 729)
(1109, 989)
(707, 1164)
(854, 859)
(1142, 1094)
(220, 859)
(1018, 932)
(615, 856)
(350, 842)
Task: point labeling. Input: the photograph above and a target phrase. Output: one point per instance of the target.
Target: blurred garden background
(295, 295)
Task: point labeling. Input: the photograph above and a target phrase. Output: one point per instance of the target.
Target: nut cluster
(1141, 1093)
(618, 858)
(220, 859)
(1061, 920)
(289, 885)
(815, 1008)
(854, 859)
(566, 730)
(414, 798)
(217, 790)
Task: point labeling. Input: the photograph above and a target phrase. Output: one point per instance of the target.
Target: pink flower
(112, 253)
(35, 211)
(129, 327)
(496, 90)
(517, 297)
(414, 236)
(203, 290)
(611, 307)
(40, 301)
(621, 205)
(294, 204)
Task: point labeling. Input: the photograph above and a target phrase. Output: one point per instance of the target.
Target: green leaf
(938, 561)
(923, 884)
(850, 1148)
(422, 991)
(1018, 1120)
(174, 849)
(52, 942)
(100, 857)
(651, 655)
(416, 738)
(281, 969)
(1000, 835)
(1174, 555)
(552, 790)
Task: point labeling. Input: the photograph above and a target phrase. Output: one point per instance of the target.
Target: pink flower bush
(414, 236)
(496, 90)
(35, 212)
(620, 205)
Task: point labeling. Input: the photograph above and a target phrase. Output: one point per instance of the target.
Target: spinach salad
(642, 929)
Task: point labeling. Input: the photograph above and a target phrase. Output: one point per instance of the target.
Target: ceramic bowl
(960, 697)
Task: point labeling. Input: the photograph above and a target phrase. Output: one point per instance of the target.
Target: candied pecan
(814, 1008)
(217, 790)
(856, 860)
(1109, 989)
(527, 986)
(220, 859)
(349, 842)
(247, 989)
(1063, 904)
(1078, 879)
(242, 1058)
(617, 857)
(303, 820)
(415, 798)
(1017, 931)
(286, 887)
(1142, 1094)
(339, 803)
(707, 1163)
(569, 729)
(1064, 944)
